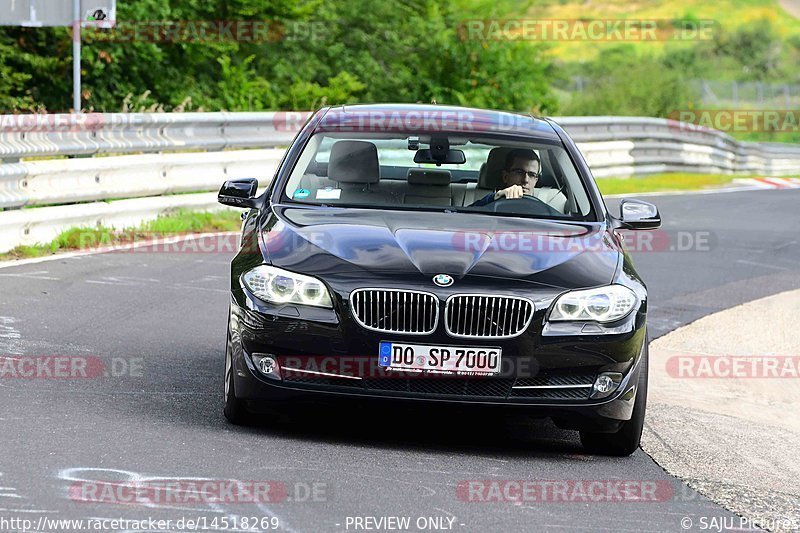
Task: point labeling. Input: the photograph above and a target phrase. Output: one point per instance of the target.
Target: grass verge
(183, 221)
(176, 222)
(663, 182)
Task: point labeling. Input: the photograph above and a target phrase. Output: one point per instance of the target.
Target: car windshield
(532, 178)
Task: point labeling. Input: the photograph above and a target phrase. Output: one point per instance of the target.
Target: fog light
(267, 365)
(605, 384)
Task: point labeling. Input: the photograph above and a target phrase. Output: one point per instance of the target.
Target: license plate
(462, 360)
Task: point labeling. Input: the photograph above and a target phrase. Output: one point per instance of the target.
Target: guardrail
(195, 152)
(632, 146)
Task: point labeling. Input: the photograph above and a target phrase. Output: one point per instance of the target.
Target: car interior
(353, 174)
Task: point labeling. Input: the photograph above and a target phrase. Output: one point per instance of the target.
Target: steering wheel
(534, 206)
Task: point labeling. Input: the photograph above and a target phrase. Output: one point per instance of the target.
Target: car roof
(433, 118)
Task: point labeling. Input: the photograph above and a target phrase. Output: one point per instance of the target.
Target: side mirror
(636, 214)
(239, 193)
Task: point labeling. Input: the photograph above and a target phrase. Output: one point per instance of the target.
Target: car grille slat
(494, 330)
(554, 387)
(369, 313)
(551, 394)
(482, 312)
(481, 388)
(468, 315)
(581, 380)
(415, 323)
(541, 387)
(406, 314)
(396, 310)
(474, 315)
(498, 388)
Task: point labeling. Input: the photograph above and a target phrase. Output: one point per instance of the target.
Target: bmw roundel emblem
(443, 280)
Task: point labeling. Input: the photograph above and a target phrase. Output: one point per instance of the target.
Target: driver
(520, 174)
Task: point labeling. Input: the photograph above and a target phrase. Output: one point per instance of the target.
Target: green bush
(756, 47)
(331, 52)
(623, 82)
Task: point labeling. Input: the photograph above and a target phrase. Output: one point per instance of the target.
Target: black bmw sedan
(443, 254)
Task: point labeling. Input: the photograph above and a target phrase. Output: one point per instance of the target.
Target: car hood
(320, 241)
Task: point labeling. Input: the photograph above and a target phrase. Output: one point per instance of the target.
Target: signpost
(75, 13)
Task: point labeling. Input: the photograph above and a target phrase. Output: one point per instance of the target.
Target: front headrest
(547, 178)
(427, 176)
(354, 162)
(491, 176)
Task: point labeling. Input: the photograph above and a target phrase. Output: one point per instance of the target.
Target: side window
(574, 186)
(306, 165)
(324, 151)
(477, 155)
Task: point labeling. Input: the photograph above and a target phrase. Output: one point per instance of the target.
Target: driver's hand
(514, 191)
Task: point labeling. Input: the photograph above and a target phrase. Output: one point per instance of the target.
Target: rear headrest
(354, 162)
(491, 176)
(426, 176)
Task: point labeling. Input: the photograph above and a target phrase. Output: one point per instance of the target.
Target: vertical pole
(76, 55)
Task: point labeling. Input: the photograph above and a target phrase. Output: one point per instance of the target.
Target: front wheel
(234, 410)
(626, 440)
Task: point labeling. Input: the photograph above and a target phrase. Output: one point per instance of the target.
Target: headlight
(603, 304)
(279, 286)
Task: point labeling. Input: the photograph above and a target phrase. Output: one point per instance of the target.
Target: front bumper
(535, 360)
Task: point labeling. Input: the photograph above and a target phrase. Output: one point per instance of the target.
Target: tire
(626, 440)
(234, 410)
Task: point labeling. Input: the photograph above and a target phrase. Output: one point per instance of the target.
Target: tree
(329, 52)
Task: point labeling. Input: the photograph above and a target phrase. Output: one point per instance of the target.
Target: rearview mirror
(239, 192)
(450, 157)
(636, 214)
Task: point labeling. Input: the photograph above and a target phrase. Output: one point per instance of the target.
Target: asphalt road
(156, 323)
